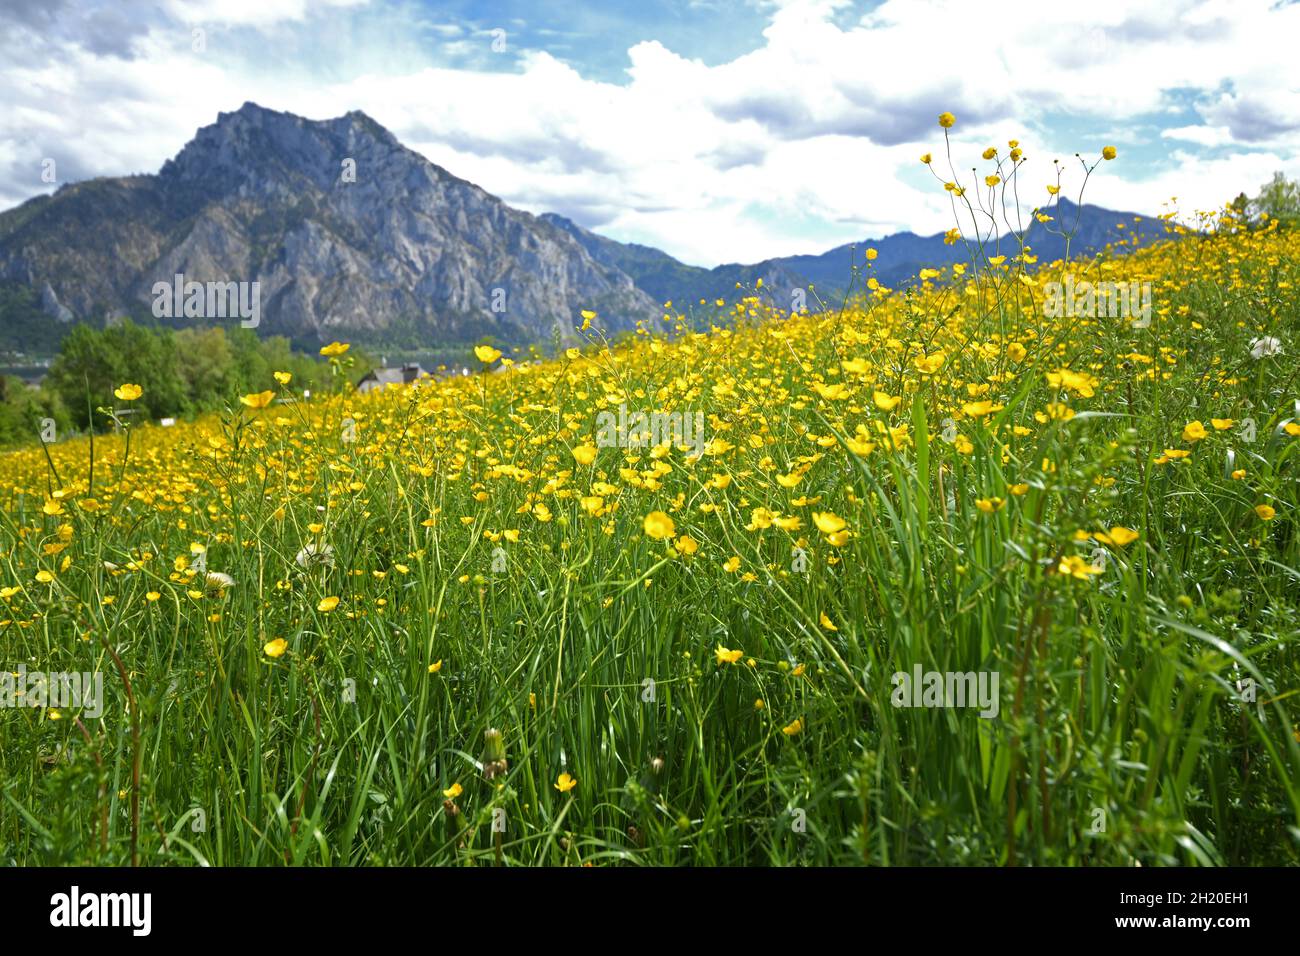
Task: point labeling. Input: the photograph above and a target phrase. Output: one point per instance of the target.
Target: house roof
(394, 375)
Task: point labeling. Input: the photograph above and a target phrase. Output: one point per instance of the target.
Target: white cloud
(1202, 135)
(808, 141)
(257, 13)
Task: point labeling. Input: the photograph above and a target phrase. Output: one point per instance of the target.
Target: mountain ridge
(402, 251)
(261, 196)
(900, 255)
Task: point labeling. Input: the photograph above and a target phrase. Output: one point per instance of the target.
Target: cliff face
(347, 233)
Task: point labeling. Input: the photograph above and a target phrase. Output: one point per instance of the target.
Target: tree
(93, 362)
(192, 370)
(1278, 199)
(207, 366)
(23, 409)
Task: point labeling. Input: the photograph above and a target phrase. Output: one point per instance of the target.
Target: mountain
(350, 235)
(404, 251)
(903, 254)
(666, 278)
(899, 256)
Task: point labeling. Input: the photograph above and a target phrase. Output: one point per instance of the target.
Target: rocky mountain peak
(346, 231)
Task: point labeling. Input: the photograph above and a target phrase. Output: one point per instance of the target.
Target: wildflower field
(476, 620)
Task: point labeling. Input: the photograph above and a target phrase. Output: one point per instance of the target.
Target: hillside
(406, 252)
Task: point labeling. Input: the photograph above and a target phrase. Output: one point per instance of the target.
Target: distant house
(395, 375)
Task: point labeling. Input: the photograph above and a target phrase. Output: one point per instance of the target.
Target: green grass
(1122, 734)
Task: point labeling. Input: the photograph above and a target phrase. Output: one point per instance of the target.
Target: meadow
(456, 624)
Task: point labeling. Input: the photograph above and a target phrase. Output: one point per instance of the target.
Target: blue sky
(718, 130)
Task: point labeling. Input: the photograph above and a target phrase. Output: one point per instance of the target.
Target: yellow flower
(335, 348)
(1121, 536)
(884, 401)
(732, 564)
(435, 666)
(1239, 474)
(1194, 431)
(946, 120)
(926, 158)
(980, 409)
(826, 623)
(726, 656)
(687, 545)
(1265, 512)
(1291, 428)
(486, 354)
(828, 523)
(1222, 424)
(52, 507)
(989, 505)
(659, 526)
(152, 596)
(275, 648)
(585, 454)
(792, 728)
(128, 392)
(258, 399)
(929, 364)
(327, 604)
(44, 577)
(454, 791)
(1081, 383)
(283, 377)
(1074, 566)
(1108, 152)
(564, 783)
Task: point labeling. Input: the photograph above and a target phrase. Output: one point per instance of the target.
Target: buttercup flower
(658, 526)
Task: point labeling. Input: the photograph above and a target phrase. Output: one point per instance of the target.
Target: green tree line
(183, 373)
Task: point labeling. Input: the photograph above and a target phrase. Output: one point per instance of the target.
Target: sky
(716, 130)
